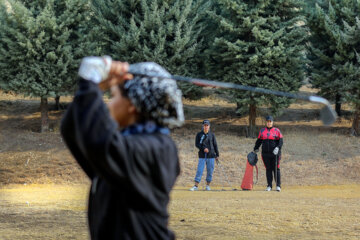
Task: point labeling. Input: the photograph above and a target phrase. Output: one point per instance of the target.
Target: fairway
(307, 212)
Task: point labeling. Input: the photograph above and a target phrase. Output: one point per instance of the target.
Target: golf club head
(328, 115)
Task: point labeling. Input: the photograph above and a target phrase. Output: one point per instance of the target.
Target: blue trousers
(210, 164)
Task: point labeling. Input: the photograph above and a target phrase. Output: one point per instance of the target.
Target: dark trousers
(270, 162)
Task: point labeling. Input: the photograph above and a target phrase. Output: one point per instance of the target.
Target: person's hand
(256, 150)
(217, 160)
(276, 151)
(206, 150)
(117, 75)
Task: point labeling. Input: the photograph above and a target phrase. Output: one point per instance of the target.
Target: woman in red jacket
(271, 140)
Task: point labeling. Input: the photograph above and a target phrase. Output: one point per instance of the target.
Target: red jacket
(269, 138)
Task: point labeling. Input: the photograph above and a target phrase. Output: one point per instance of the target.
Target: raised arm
(88, 130)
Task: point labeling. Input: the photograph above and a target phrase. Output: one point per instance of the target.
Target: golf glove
(95, 69)
(276, 151)
(256, 150)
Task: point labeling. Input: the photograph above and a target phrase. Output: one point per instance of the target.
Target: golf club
(327, 114)
(276, 167)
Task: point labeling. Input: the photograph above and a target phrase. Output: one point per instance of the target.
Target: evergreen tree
(41, 43)
(261, 44)
(167, 32)
(351, 69)
(328, 50)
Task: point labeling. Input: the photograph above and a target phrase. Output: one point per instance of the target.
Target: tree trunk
(252, 121)
(355, 129)
(338, 104)
(44, 115)
(57, 103)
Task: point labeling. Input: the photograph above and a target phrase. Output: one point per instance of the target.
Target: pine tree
(328, 51)
(261, 44)
(351, 69)
(167, 32)
(41, 43)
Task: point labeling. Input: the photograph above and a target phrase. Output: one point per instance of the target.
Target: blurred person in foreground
(205, 141)
(133, 170)
(271, 140)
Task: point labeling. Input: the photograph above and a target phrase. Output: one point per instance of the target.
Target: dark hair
(141, 118)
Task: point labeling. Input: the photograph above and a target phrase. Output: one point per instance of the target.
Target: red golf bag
(248, 180)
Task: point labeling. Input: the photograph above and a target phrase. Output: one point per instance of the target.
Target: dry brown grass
(326, 212)
(320, 175)
(43, 212)
(311, 212)
(307, 159)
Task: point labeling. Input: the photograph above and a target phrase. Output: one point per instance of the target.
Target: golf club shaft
(327, 114)
(276, 163)
(211, 83)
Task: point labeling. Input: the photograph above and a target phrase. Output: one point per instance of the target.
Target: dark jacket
(132, 175)
(270, 138)
(208, 141)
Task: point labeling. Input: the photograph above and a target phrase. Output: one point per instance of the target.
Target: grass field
(308, 212)
(326, 212)
(43, 192)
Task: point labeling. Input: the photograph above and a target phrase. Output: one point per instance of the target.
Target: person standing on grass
(132, 170)
(205, 141)
(271, 140)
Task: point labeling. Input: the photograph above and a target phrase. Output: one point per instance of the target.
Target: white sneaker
(278, 188)
(194, 188)
(207, 188)
(268, 189)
